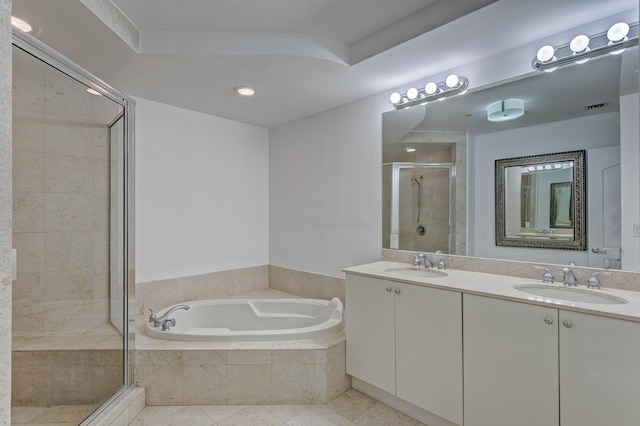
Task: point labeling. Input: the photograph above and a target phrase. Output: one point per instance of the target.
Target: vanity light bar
(453, 85)
(582, 47)
(551, 166)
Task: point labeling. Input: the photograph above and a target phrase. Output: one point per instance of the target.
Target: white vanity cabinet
(532, 365)
(407, 340)
(599, 370)
(510, 363)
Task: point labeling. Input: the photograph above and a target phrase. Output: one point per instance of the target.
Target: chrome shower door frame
(40, 51)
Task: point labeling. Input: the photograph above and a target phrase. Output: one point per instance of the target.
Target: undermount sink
(409, 272)
(568, 294)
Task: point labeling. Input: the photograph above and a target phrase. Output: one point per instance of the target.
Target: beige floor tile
(352, 404)
(172, 416)
(318, 415)
(252, 416)
(287, 412)
(382, 415)
(352, 408)
(217, 413)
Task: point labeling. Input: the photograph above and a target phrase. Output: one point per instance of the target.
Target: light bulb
(395, 98)
(21, 24)
(245, 91)
(579, 43)
(618, 32)
(412, 93)
(545, 53)
(452, 81)
(430, 88)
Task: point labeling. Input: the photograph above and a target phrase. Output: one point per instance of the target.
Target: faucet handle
(416, 259)
(547, 277)
(153, 316)
(442, 264)
(594, 282)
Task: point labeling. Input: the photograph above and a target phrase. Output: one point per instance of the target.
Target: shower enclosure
(72, 232)
(418, 206)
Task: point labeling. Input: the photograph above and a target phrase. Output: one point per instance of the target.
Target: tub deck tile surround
(270, 372)
(211, 373)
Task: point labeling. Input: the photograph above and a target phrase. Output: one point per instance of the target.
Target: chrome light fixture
(432, 91)
(508, 109)
(582, 47)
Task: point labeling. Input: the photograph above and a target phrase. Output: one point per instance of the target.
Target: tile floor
(351, 408)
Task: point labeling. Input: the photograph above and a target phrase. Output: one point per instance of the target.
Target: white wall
(202, 193)
(326, 189)
(583, 133)
(630, 176)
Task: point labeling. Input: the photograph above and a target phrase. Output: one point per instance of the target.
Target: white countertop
(502, 287)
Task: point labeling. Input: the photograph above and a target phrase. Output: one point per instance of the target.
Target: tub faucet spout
(158, 321)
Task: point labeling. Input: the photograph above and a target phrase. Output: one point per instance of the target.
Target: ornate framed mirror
(541, 201)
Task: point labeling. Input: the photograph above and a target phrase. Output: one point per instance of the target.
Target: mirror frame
(579, 241)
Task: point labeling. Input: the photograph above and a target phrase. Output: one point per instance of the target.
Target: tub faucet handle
(168, 323)
(152, 317)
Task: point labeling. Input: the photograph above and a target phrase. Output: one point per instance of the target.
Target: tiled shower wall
(5, 211)
(433, 205)
(60, 203)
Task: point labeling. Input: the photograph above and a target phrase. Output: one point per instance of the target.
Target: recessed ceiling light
(93, 92)
(244, 91)
(22, 25)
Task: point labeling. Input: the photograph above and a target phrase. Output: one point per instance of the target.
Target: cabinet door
(510, 363)
(429, 349)
(370, 331)
(599, 371)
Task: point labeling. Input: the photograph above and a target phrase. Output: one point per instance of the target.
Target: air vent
(596, 106)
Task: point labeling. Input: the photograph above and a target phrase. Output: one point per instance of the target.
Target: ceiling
(301, 56)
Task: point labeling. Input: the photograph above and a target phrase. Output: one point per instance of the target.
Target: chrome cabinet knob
(389, 289)
(548, 320)
(397, 291)
(567, 323)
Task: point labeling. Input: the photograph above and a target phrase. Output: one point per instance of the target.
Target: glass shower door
(68, 353)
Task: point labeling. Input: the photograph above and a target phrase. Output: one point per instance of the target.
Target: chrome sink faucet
(426, 260)
(416, 259)
(569, 278)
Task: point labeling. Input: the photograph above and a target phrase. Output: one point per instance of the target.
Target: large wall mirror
(541, 201)
(590, 107)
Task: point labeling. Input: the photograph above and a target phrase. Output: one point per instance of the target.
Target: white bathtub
(253, 319)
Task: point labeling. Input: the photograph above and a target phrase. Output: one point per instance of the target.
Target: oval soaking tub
(251, 320)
